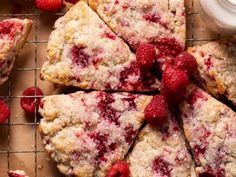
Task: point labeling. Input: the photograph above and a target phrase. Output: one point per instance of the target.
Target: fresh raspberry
(172, 98)
(72, 1)
(174, 80)
(30, 104)
(119, 169)
(145, 55)
(4, 112)
(49, 5)
(186, 62)
(156, 111)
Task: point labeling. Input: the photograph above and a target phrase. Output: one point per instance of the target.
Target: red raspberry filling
(101, 141)
(145, 55)
(109, 35)
(217, 172)
(119, 169)
(209, 63)
(168, 47)
(196, 95)
(146, 79)
(156, 111)
(5, 28)
(4, 112)
(186, 62)
(155, 18)
(29, 105)
(130, 134)
(131, 102)
(107, 112)
(8, 28)
(79, 56)
(161, 167)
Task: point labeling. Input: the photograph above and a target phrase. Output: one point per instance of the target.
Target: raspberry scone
(13, 34)
(159, 22)
(85, 133)
(217, 68)
(161, 153)
(210, 128)
(85, 53)
(17, 173)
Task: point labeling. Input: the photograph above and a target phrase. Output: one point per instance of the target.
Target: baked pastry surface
(84, 52)
(13, 34)
(161, 152)
(85, 133)
(159, 22)
(210, 128)
(217, 68)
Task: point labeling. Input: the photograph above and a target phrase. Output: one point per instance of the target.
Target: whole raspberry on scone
(174, 80)
(217, 68)
(75, 58)
(86, 133)
(145, 55)
(31, 99)
(174, 83)
(49, 5)
(17, 173)
(210, 129)
(156, 113)
(119, 169)
(13, 34)
(161, 152)
(186, 62)
(4, 112)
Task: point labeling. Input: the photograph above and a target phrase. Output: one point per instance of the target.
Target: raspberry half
(119, 169)
(186, 62)
(157, 111)
(30, 104)
(4, 112)
(145, 55)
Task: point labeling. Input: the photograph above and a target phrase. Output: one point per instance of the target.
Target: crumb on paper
(40, 167)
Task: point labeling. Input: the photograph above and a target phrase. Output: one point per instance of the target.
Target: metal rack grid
(192, 39)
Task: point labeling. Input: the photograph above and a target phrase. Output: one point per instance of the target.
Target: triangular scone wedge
(84, 52)
(159, 22)
(13, 34)
(161, 152)
(210, 128)
(85, 133)
(217, 68)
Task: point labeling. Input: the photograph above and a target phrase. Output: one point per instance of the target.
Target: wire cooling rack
(20, 146)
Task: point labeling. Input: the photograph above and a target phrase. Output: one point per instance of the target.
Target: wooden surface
(21, 146)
